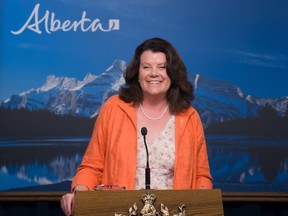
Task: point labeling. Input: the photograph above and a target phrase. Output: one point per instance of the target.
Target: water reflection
(241, 163)
(30, 163)
(237, 163)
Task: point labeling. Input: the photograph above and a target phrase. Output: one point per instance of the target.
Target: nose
(154, 72)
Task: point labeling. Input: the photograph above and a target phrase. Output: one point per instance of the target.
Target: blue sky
(241, 41)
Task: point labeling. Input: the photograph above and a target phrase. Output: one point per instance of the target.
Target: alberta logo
(49, 23)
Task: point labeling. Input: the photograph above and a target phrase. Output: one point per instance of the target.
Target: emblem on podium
(149, 209)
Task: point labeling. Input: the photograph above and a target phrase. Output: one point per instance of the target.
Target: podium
(164, 202)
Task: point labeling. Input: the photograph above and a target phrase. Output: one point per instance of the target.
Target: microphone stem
(147, 170)
(147, 179)
(147, 153)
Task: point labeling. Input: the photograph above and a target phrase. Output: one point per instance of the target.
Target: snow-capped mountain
(215, 100)
(219, 101)
(63, 95)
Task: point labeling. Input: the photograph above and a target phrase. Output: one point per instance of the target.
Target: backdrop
(60, 60)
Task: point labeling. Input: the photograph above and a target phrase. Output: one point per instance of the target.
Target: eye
(145, 67)
(162, 67)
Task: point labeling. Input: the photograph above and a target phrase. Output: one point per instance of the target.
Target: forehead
(152, 57)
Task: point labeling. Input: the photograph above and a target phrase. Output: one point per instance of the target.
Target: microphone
(147, 169)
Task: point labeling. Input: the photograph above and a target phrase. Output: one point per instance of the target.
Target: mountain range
(216, 101)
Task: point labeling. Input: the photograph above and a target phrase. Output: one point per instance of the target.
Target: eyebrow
(157, 64)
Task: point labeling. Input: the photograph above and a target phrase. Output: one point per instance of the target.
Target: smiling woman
(157, 96)
(236, 56)
(153, 77)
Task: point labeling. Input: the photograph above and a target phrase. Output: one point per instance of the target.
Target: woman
(157, 95)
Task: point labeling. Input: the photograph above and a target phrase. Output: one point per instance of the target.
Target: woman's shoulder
(116, 101)
(114, 107)
(113, 99)
(191, 116)
(188, 112)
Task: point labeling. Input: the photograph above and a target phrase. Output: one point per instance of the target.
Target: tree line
(268, 123)
(23, 123)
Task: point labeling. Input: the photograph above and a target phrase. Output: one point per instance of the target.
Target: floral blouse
(161, 159)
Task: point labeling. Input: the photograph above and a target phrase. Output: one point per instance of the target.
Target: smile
(154, 82)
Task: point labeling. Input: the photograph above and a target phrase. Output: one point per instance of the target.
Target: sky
(244, 42)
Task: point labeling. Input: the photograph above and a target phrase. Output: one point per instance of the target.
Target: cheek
(141, 79)
(168, 81)
(142, 76)
(168, 86)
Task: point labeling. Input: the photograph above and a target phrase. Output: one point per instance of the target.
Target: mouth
(154, 82)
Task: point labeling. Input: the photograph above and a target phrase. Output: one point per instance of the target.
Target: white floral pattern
(161, 159)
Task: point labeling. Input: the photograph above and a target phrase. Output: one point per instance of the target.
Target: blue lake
(237, 163)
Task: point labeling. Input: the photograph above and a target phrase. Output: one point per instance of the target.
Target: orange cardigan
(111, 155)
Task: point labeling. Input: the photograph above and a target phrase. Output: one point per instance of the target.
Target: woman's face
(153, 77)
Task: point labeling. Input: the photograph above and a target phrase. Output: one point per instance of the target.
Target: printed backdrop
(60, 60)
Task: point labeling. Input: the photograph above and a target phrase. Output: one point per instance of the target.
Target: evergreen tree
(269, 122)
(268, 113)
(286, 113)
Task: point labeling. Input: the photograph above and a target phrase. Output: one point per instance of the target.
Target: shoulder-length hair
(181, 92)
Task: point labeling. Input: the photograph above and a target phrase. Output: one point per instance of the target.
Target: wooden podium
(118, 202)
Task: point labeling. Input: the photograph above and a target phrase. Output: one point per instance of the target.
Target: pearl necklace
(156, 118)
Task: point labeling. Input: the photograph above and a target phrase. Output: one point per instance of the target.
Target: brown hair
(179, 95)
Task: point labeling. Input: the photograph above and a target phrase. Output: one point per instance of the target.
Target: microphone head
(144, 131)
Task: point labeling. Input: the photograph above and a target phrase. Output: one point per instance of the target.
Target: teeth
(154, 82)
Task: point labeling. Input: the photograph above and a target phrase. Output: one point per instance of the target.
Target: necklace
(156, 118)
